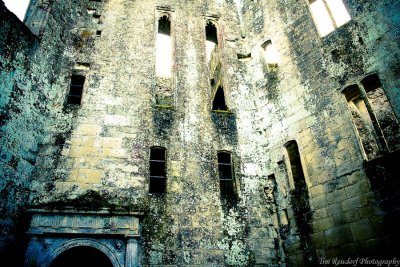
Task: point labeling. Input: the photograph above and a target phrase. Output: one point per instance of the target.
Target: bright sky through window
(209, 48)
(339, 12)
(18, 7)
(271, 54)
(328, 15)
(164, 55)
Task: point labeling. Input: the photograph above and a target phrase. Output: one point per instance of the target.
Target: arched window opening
(157, 170)
(82, 256)
(383, 111)
(373, 117)
(363, 122)
(211, 40)
(219, 100)
(164, 48)
(226, 180)
(328, 15)
(271, 55)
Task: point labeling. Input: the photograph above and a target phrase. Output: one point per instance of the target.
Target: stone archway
(54, 233)
(81, 256)
(75, 246)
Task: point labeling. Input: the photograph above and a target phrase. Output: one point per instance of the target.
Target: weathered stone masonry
(265, 162)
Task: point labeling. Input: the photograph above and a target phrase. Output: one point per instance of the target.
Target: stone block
(175, 168)
(354, 203)
(318, 240)
(324, 224)
(114, 152)
(81, 151)
(116, 120)
(88, 129)
(333, 209)
(113, 142)
(358, 188)
(317, 190)
(90, 176)
(336, 196)
(337, 236)
(318, 202)
(362, 230)
(320, 214)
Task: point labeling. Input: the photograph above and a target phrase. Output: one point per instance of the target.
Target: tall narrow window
(157, 170)
(328, 15)
(76, 89)
(383, 111)
(295, 164)
(219, 100)
(164, 48)
(164, 94)
(211, 40)
(373, 117)
(300, 202)
(226, 182)
(271, 55)
(363, 122)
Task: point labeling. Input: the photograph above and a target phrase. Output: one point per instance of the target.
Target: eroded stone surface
(55, 155)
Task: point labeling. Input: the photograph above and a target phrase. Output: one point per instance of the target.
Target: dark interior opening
(219, 100)
(295, 164)
(371, 82)
(82, 256)
(76, 89)
(227, 185)
(351, 92)
(164, 25)
(211, 33)
(157, 170)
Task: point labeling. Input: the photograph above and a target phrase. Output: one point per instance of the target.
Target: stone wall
(96, 154)
(31, 102)
(307, 106)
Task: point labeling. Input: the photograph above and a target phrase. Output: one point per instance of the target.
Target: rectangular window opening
(328, 15)
(157, 170)
(295, 165)
(76, 89)
(227, 184)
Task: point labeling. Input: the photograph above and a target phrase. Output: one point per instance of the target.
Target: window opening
(211, 39)
(295, 164)
(363, 122)
(227, 185)
(76, 89)
(373, 117)
(244, 57)
(271, 55)
(157, 170)
(328, 15)
(381, 108)
(301, 203)
(164, 48)
(219, 100)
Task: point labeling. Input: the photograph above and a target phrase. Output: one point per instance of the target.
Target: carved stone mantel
(116, 234)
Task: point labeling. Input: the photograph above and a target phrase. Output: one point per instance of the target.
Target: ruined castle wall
(107, 147)
(30, 84)
(17, 143)
(308, 107)
(97, 153)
